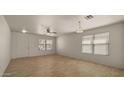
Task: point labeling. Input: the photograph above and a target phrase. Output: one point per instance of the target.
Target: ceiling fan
(80, 29)
(49, 31)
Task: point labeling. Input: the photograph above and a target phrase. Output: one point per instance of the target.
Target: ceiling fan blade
(44, 26)
(48, 30)
(54, 32)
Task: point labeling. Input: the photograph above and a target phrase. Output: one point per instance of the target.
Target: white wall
(70, 45)
(26, 45)
(4, 45)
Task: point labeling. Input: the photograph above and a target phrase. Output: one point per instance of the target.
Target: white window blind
(87, 48)
(101, 43)
(101, 49)
(101, 38)
(41, 44)
(87, 44)
(41, 41)
(49, 44)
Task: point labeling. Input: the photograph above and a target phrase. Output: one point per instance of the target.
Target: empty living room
(61, 45)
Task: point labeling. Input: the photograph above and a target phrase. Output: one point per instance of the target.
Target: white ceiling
(60, 23)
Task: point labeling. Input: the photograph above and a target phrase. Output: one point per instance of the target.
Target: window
(96, 44)
(101, 43)
(87, 44)
(41, 44)
(45, 44)
(49, 44)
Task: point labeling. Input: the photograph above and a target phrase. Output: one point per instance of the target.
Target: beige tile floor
(57, 66)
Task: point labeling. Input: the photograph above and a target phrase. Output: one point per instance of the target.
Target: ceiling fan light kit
(48, 31)
(50, 34)
(80, 30)
(24, 31)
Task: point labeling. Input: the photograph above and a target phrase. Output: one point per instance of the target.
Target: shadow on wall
(5, 35)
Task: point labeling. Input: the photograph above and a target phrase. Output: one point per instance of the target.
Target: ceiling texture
(62, 24)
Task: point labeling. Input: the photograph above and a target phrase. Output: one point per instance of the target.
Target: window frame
(49, 44)
(87, 44)
(108, 44)
(93, 45)
(40, 43)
